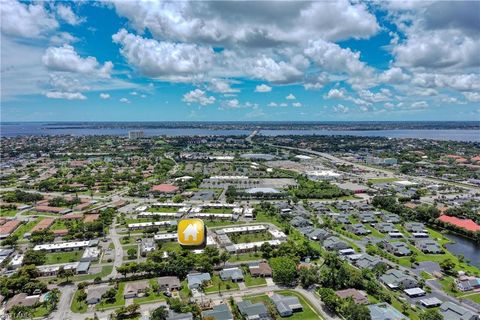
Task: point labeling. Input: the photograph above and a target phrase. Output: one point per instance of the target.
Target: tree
(308, 276)
(53, 298)
(159, 314)
(331, 300)
(353, 311)
(34, 257)
(284, 270)
(431, 314)
(132, 253)
(110, 295)
(448, 266)
(21, 312)
(64, 273)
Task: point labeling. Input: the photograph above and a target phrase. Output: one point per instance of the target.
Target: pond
(466, 247)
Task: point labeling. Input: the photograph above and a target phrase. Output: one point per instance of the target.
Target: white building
(63, 246)
(323, 175)
(136, 134)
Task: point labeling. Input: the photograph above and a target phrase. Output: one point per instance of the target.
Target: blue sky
(155, 61)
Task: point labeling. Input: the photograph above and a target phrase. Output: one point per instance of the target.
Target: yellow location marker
(191, 232)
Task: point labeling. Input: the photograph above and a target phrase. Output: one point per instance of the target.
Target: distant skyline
(240, 61)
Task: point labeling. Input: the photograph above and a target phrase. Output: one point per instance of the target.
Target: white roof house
(62, 246)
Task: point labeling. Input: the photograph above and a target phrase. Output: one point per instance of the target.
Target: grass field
(125, 250)
(254, 281)
(119, 299)
(162, 209)
(474, 297)
(24, 228)
(7, 213)
(217, 210)
(170, 246)
(382, 180)
(218, 285)
(78, 306)
(63, 257)
(245, 257)
(250, 237)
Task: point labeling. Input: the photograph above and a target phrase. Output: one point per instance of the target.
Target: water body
(466, 247)
(432, 134)
(85, 129)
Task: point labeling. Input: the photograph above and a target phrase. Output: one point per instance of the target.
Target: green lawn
(254, 281)
(474, 297)
(59, 224)
(151, 296)
(170, 246)
(217, 210)
(185, 291)
(382, 180)
(250, 237)
(78, 306)
(24, 228)
(425, 275)
(375, 232)
(245, 257)
(218, 285)
(106, 270)
(162, 209)
(125, 250)
(7, 213)
(40, 312)
(119, 299)
(64, 257)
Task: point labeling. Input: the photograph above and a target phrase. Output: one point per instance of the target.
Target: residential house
(452, 311)
(367, 217)
(428, 246)
(95, 293)
(169, 283)
(359, 297)
(391, 217)
(195, 280)
(260, 269)
(358, 229)
(179, 316)
(253, 311)
(366, 261)
(219, 312)
(334, 243)
(385, 227)
(415, 227)
(384, 311)
(286, 305)
(395, 279)
(233, 274)
(397, 248)
(135, 289)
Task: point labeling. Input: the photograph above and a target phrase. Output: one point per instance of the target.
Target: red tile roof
(44, 224)
(167, 188)
(467, 224)
(9, 227)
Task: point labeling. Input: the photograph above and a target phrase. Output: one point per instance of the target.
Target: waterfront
(465, 247)
(118, 129)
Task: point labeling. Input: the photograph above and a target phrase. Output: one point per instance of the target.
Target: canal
(466, 247)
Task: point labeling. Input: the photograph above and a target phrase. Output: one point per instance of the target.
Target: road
(115, 237)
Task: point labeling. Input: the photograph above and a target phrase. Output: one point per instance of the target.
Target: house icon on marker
(190, 232)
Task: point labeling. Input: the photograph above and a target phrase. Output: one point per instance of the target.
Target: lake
(466, 247)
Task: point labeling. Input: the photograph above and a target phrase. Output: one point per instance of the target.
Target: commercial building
(135, 134)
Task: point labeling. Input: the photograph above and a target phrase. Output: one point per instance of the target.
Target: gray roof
(179, 316)
(253, 310)
(286, 303)
(196, 279)
(399, 247)
(395, 278)
(452, 311)
(83, 266)
(220, 312)
(384, 311)
(335, 243)
(231, 274)
(367, 261)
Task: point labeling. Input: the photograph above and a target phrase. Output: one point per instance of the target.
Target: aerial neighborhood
(296, 228)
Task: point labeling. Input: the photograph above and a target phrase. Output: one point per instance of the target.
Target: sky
(239, 61)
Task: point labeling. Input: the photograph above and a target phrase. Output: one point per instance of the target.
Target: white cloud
(268, 69)
(335, 93)
(124, 100)
(66, 59)
(221, 86)
(283, 104)
(230, 104)
(263, 88)
(104, 96)
(26, 20)
(273, 104)
(134, 93)
(472, 96)
(374, 97)
(290, 97)
(394, 75)
(296, 104)
(340, 108)
(65, 95)
(250, 24)
(66, 14)
(419, 105)
(62, 38)
(161, 59)
(198, 96)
